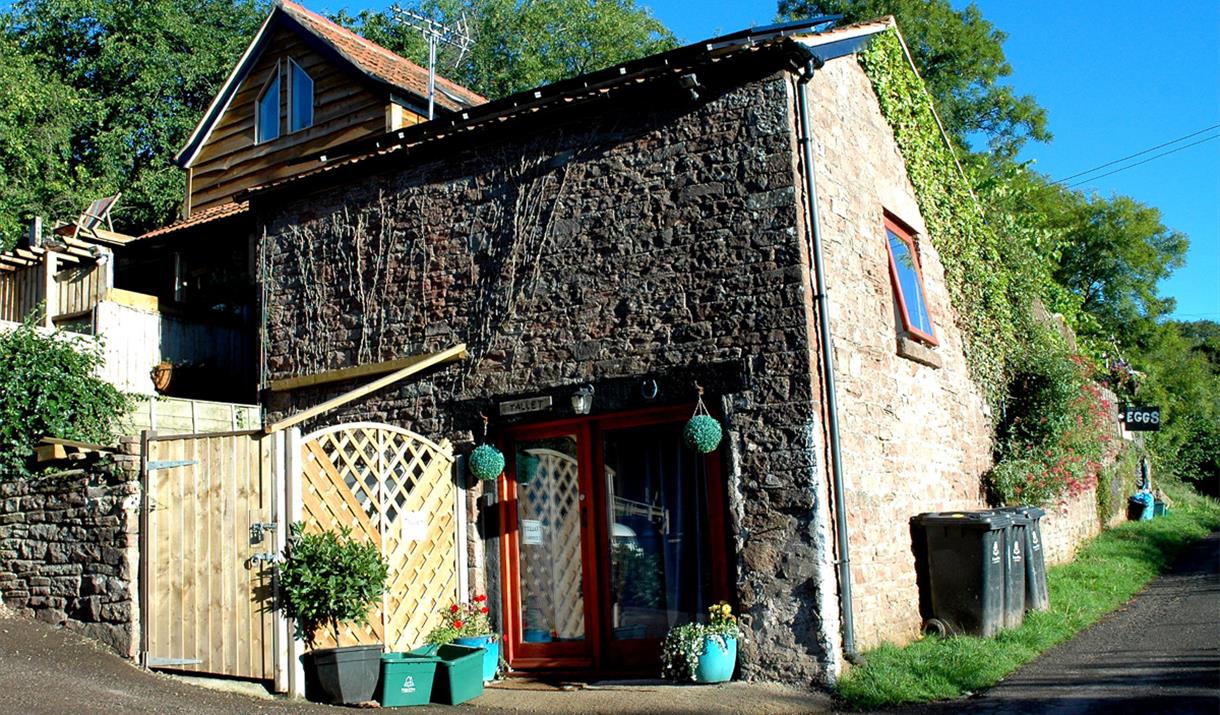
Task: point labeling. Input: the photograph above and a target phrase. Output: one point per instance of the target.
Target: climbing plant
(969, 250)
(1050, 417)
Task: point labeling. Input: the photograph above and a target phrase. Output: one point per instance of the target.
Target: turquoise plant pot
(716, 665)
(491, 653)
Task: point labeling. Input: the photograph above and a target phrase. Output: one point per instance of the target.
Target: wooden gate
(396, 489)
(210, 526)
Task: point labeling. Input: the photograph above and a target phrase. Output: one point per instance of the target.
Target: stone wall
(69, 549)
(915, 435)
(641, 235)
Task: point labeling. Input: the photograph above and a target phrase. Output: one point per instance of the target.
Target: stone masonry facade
(647, 236)
(915, 435)
(69, 549)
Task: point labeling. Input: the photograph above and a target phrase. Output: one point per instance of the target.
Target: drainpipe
(827, 359)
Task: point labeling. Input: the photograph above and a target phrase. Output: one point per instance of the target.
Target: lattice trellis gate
(396, 489)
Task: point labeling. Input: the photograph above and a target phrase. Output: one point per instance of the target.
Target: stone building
(700, 220)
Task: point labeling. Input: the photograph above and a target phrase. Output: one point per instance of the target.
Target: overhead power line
(1145, 161)
(1139, 153)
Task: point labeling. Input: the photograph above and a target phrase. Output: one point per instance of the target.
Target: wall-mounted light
(582, 400)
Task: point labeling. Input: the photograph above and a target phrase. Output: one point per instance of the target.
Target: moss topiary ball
(486, 462)
(702, 433)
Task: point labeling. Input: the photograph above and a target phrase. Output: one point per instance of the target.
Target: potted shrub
(327, 579)
(469, 624)
(702, 652)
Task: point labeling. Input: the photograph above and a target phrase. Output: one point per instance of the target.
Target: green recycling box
(459, 672)
(406, 679)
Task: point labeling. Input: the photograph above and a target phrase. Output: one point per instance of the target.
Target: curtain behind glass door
(660, 549)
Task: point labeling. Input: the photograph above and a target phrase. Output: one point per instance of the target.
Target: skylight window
(300, 98)
(267, 110)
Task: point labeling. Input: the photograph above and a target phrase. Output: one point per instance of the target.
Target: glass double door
(613, 532)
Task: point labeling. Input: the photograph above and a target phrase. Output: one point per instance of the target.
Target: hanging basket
(486, 462)
(702, 432)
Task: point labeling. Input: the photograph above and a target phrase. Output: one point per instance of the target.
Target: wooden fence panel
(80, 288)
(209, 603)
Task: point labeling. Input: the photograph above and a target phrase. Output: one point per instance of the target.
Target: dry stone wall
(646, 235)
(69, 549)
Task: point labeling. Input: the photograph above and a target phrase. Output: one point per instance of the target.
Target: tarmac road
(1159, 654)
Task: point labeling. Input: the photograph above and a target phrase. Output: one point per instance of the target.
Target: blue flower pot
(491, 653)
(716, 665)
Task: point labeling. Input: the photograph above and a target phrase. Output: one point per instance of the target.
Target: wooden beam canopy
(411, 365)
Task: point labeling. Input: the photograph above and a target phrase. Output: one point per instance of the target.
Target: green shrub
(48, 388)
(329, 578)
(1055, 430)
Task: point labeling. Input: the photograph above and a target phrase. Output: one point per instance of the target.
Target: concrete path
(1160, 653)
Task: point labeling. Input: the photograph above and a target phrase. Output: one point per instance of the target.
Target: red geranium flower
(453, 608)
(480, 599)
(483, 609)
(457, 624)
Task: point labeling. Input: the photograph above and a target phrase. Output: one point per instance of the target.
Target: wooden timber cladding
(209, 605)
(346, 107)
(395, 489)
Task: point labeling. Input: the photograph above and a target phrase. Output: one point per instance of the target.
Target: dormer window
(300, 98)
(267, 110)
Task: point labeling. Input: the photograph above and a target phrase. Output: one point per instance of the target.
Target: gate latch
(262, 558)
(258, 530)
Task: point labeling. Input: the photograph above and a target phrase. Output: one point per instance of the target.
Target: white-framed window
(300, 98)
(267, 109)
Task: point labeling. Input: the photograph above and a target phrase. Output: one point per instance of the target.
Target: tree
(519, 45)
(49, 388)
(132, 79)
(961, 58)
(1116, 252)
(38, 119)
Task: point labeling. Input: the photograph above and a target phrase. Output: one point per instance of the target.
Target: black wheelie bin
(1037, 597)
(966, 556)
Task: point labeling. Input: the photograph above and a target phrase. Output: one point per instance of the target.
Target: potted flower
(702, 652)
(326, 579)
(469, 624)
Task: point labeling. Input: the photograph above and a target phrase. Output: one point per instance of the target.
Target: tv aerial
(436, 33)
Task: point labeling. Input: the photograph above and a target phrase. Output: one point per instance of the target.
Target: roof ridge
(294, 8)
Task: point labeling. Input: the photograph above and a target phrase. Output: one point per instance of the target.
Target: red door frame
(617, 656)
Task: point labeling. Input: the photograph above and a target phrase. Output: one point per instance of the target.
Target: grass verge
(1105, 574)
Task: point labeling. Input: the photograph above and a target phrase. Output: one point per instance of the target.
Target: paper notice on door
(414, 526)
(531, 532)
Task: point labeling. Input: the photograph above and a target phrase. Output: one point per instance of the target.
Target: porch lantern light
(582, 400)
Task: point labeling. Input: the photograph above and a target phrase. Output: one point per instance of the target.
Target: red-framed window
(906, 277)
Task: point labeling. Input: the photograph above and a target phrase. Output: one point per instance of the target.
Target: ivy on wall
(1051, 420)
(969, 250)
